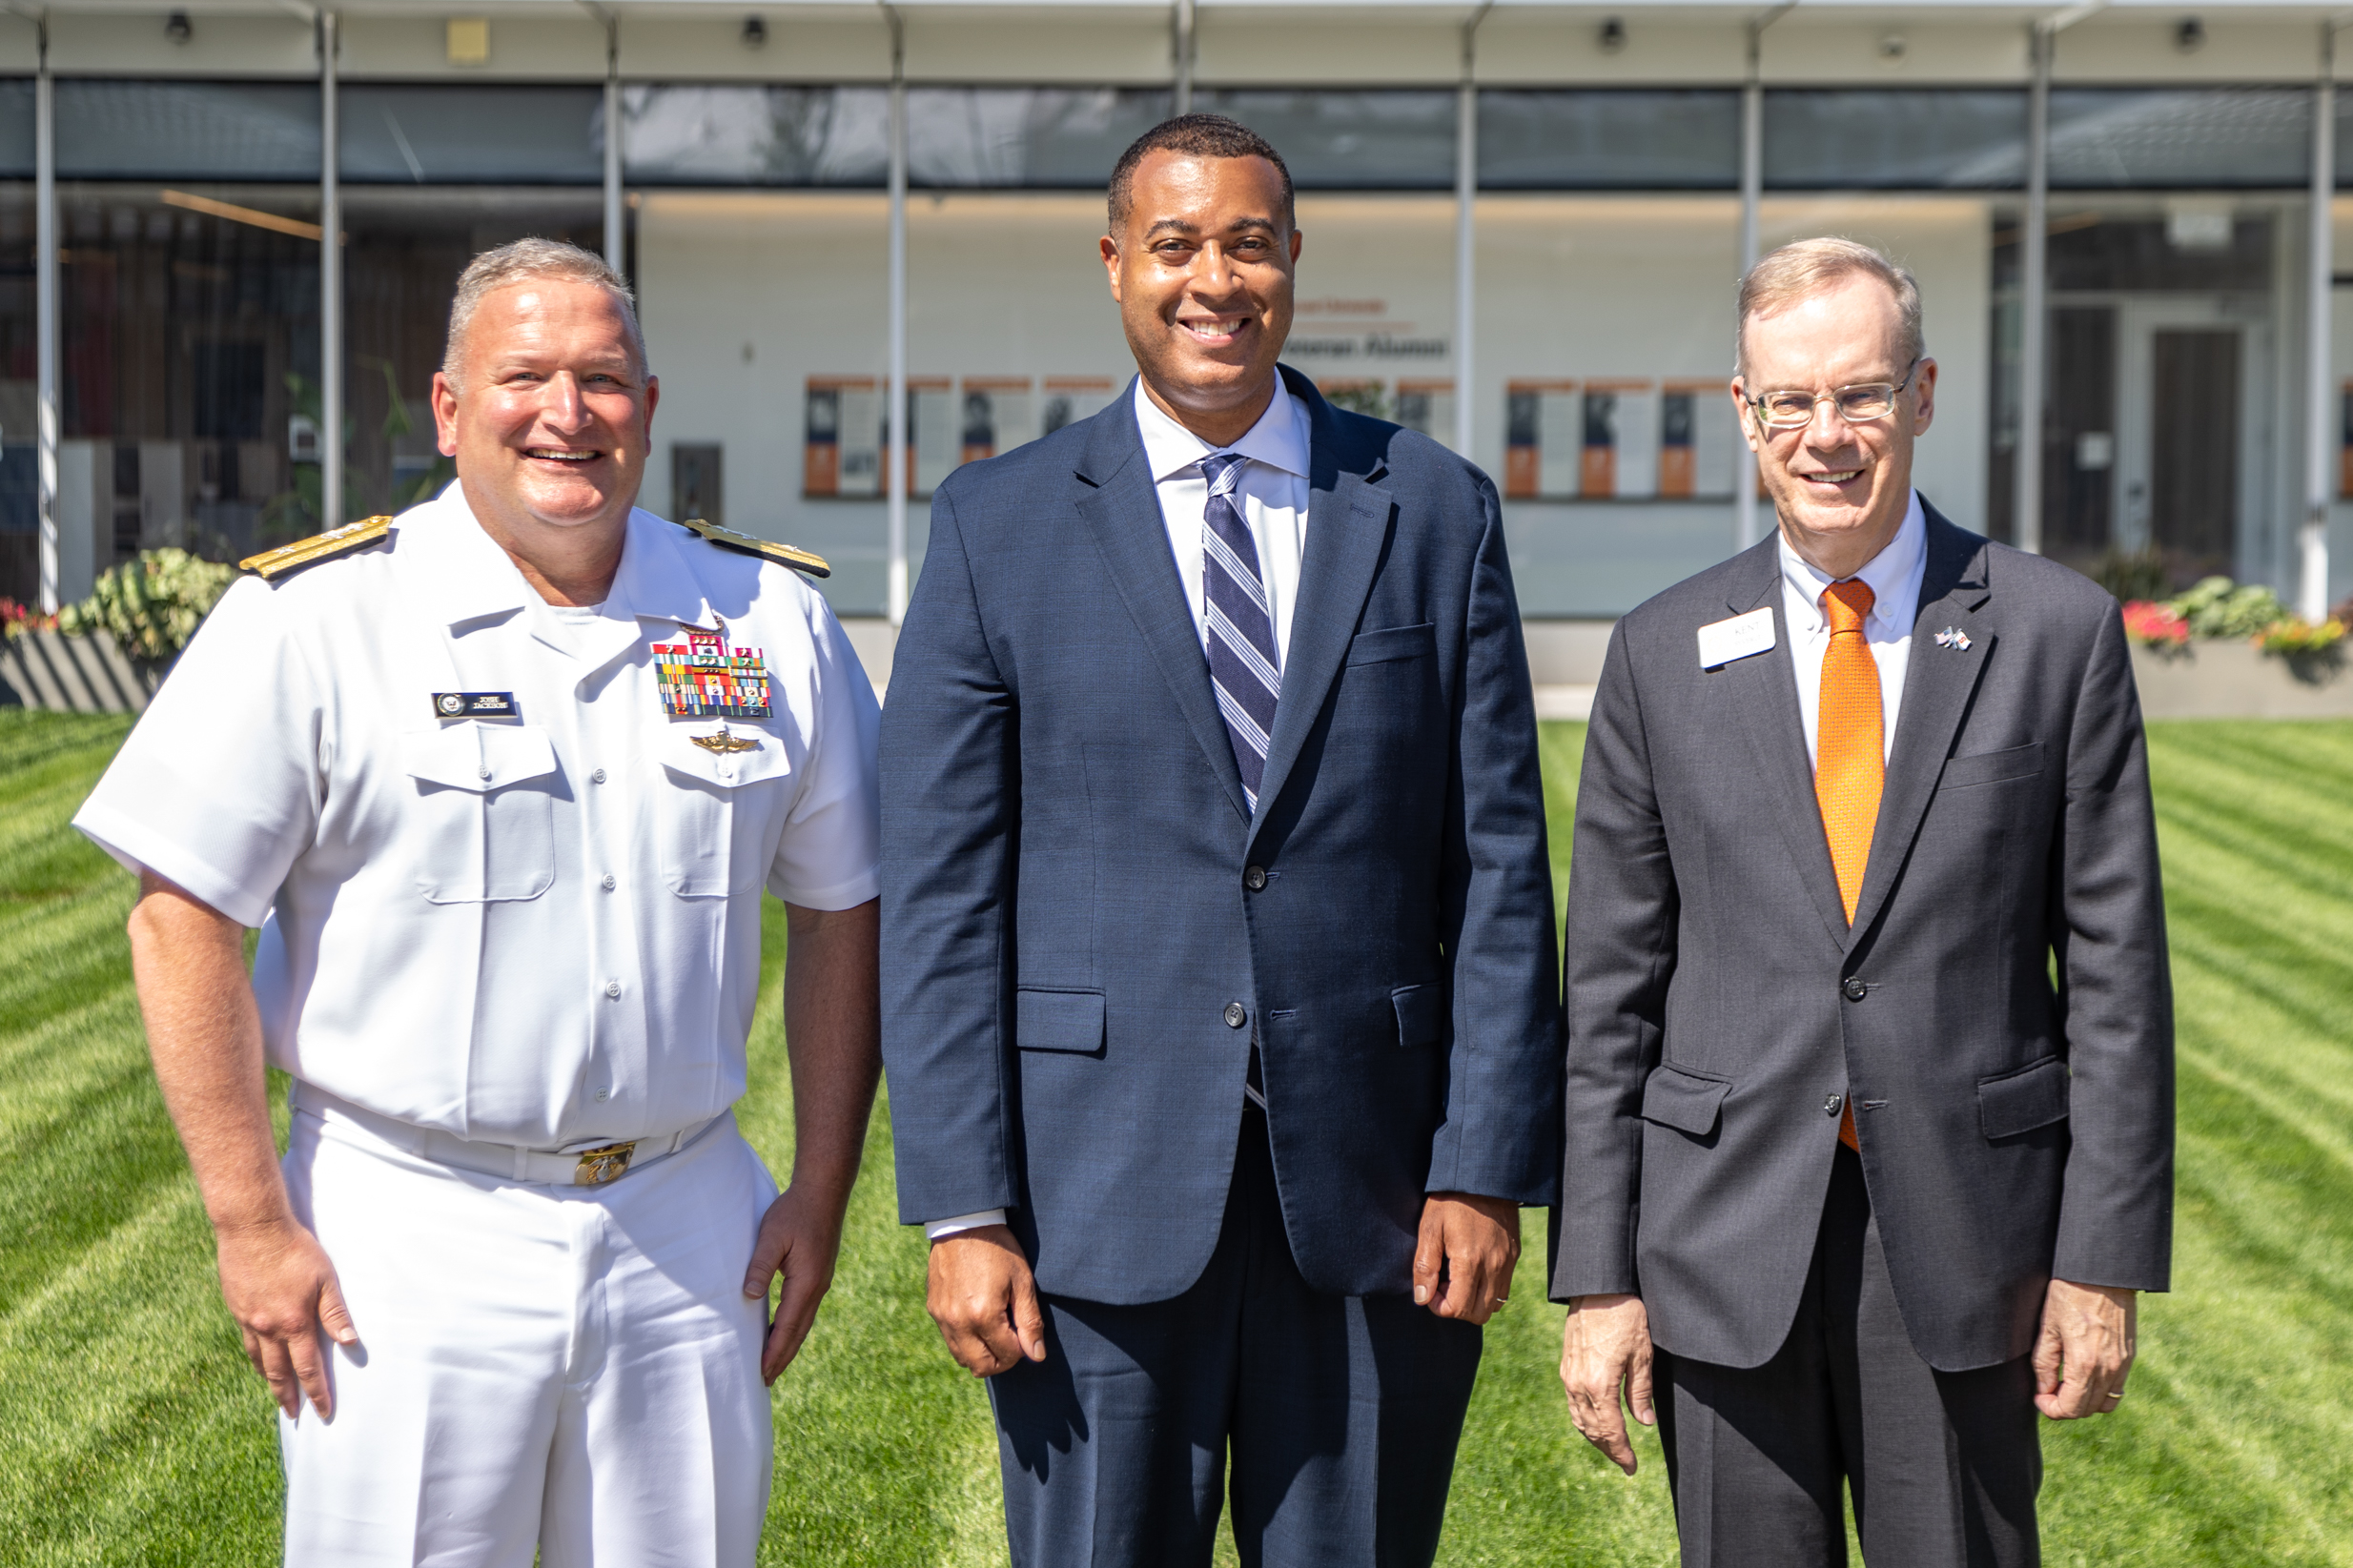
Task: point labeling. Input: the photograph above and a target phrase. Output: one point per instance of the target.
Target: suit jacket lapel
(1115, 495)
(1938, 684)
(1347, 529)
(1764, 691)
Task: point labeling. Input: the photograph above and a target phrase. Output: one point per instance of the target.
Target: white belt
(580, 1165)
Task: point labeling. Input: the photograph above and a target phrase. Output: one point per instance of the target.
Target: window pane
(187, 131)
(20, 523)
(694, 135)
(465, 135)
(400, 267)
(1010, 137)
(2180, 138)
(1609, 141)
(1351, 141)
(189, 327)
(16, 129)
(1883, 140)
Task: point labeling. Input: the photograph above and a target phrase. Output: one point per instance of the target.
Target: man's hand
(1605, 1348)
(1463, 1261)
(282, 1290)
(2085, 1350)
(983, 1298)
(801, 1236)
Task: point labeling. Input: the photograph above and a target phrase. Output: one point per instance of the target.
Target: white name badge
(1721, 641)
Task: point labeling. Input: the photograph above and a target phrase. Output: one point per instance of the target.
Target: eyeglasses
(1856, 404)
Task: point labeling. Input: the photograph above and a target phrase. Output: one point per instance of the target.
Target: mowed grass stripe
(134, 1432)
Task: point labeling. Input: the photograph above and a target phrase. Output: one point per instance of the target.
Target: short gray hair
(520, 262)
(1799, 271)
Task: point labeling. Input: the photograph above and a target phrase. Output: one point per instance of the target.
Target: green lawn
(130, 1431)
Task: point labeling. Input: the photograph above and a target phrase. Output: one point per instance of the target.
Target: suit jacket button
(1830, 1104)
(1255, 879)
(1236, 1015)
(1854, 988)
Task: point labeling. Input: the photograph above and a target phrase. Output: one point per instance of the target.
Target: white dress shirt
(1895, 576)
(539, 930)
(1273, 492)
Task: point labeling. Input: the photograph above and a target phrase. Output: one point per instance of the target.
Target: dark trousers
(1342, 1413)
(1943, 1465)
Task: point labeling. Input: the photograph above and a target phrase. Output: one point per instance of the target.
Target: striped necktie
(1242, 661)
(1850, 753)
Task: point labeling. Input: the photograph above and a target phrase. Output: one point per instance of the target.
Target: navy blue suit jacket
(1068, 921)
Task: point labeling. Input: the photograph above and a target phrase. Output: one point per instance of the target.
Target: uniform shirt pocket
(1393, 642)
(2035, 1095)
(485, 814)
(1070, 1021)
(1687, 1101)
(721, 812)
(1988, 768)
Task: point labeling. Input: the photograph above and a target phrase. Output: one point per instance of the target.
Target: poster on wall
(997, 416)
(1618, 457)
(843, 435)
(1067, 399)
(1426, 406)
(2344, 445)
(1544, 439)
(935, 435)
(1698, 441)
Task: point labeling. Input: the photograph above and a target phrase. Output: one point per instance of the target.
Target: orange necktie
(1850, 755)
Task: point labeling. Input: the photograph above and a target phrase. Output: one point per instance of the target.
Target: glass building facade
(1607, 220)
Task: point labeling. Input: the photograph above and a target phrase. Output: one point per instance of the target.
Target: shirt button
(1255, 879)
(604, 1095)
(1854, 990)
(612, 988)
(597, 776)
(1236, 1015)
(609, 882)
(484, 775)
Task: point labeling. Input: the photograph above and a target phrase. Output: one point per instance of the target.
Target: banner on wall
(997, 414)
(933, 434)
(1699, 440)
(1426, 406)
(842, 437)
(1544, 439)
(1067, 399)
(2345, 444)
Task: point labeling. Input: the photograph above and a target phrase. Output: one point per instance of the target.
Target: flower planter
(75, 674)
(2228, 679)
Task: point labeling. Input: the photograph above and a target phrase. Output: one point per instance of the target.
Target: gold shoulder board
(784, 555)
(287, 559)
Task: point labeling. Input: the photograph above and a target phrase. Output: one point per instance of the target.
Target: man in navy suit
(1218, 1004)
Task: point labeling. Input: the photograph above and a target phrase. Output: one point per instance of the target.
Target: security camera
(177, 28)
(1612, 36)
(1893, 47)
(2189, 35)
(755, 33)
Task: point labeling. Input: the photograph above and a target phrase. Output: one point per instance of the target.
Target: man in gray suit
(1869, 1102)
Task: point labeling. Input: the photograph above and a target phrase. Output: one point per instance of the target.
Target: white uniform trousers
(571, 1367)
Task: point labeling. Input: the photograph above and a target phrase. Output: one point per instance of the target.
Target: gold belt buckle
(599, 1166)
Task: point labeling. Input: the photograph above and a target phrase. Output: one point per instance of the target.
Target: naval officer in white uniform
(509, 1284)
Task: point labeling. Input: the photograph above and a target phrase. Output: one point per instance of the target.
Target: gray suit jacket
(2014, 1125)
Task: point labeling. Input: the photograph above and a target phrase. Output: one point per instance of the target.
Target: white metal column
(330, 281)
(616, 236)
(46, 416)
(1751, 247)
(2312, 585)
(1183, 85)
(894, 480)
(2034, 235)
(1466, 240)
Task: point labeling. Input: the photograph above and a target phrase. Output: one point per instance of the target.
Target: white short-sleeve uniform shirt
(540, 930)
